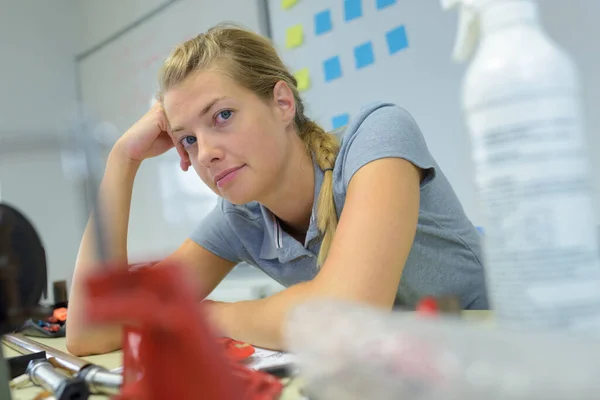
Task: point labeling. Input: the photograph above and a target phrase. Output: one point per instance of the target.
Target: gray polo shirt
(445, 258)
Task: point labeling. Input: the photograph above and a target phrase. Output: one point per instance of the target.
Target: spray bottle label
(533, 180)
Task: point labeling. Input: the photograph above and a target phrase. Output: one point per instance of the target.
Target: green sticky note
(294, 36)
(302, 79)
(287, 4)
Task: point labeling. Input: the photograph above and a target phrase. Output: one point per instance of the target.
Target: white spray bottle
(521, 104)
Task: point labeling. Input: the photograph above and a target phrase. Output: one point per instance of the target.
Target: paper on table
(265, 360)
(262, 359)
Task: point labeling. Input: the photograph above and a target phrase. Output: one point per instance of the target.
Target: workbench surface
(114, 360)
(110, 360)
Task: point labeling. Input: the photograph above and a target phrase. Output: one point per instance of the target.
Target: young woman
(369, 218)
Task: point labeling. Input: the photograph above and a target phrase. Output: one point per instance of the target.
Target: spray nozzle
(448, 4)
(468, 28)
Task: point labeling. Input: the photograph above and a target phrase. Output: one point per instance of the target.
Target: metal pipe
(43, 374)
(99, 379)
(24, 345)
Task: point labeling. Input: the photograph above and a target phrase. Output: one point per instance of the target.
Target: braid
(325, 147)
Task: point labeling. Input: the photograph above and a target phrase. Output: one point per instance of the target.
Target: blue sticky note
(332, 68)
(363, 55)
(396, 39)
(352, 9)
(340, 120)
(323, 22)
(384, 3)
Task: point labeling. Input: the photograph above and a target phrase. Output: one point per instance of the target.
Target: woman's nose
(208, 151)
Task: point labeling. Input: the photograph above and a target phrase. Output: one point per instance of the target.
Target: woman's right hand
(149, 137)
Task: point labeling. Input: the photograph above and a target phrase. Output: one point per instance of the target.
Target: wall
(574, 27)
(102, 19)
(39, 41)
(37, 47)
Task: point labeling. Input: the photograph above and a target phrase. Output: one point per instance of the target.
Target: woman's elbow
(89, 345)
(77, 348)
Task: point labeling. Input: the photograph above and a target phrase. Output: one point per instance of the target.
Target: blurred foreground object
(347, 351)
(176, 356)
(96, 378)
(23, 272)
(23, 278)
(521, 102)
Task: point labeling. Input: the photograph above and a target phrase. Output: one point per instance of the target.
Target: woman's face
(237, 143)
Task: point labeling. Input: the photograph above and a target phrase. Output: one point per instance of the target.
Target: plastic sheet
(346, 351)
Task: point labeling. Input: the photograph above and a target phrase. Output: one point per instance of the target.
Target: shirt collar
(313, 230)
(273, 237)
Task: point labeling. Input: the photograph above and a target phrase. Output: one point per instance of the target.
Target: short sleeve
(216, 235)
(385, 131)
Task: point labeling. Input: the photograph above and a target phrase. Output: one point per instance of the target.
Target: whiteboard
(118, 83)
(420, 77)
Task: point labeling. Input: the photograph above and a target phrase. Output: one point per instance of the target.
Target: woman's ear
(284, 100)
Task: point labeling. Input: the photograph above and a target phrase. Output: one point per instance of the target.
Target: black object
(61, 296)
(23, 275)
(18, 365)
(279, 372)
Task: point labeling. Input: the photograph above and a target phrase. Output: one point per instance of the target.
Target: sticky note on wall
(352, 9)
(381, 4)
(287, 4)
(332, 68)
(396, 39)
(323, 22)
(340, 120)
(294, 36)
(363, 55)
(302, 79)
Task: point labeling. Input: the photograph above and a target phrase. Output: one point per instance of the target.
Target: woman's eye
(223, 116)
(187, 141)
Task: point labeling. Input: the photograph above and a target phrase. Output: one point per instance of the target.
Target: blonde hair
(252, 61)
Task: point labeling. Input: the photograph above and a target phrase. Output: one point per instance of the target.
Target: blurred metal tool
(43, 374)
(99, 379)
(89, 137)
(24, 345)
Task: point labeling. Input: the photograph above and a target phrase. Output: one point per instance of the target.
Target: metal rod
(99, 379)
(24, 345)
(87, 139)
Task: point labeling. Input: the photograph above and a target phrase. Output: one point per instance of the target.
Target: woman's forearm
(259, 322)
